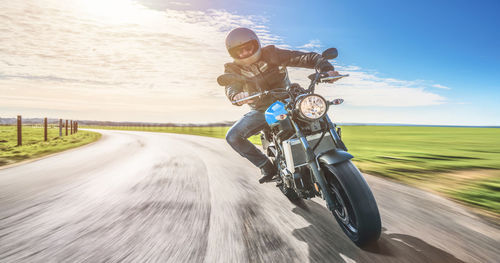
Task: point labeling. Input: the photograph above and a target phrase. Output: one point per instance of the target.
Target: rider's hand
(332, 73)
(242, 95)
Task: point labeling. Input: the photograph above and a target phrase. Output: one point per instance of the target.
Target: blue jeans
(237, 136)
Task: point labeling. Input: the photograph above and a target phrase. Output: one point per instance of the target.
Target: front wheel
(355, 208)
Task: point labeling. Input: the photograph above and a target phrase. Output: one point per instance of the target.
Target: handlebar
(251, 97)
(258, 94)
(323, 78)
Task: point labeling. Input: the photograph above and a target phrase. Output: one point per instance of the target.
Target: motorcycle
(312, 160)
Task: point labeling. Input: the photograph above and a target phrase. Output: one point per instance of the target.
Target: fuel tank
(276, 109)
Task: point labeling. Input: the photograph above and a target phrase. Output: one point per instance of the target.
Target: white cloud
(439, 86)
(97, 56)
(180, 3)
(312, 45)
(118, 60)
(365, 88)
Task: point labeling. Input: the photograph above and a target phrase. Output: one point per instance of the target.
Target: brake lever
(328, 79)
(336, 101)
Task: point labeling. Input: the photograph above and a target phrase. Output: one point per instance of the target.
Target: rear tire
(356, 210)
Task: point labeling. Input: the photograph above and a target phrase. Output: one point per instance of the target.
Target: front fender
(334, 156)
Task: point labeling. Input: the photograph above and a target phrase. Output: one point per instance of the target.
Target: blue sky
(453, 43)
(422, 62)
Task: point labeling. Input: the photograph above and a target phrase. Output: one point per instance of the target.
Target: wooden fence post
(45, 129)
(60, 127)
(76, 127)
(19, 131)
(66, 126)
(71, 127)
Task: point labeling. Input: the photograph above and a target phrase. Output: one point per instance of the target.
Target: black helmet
(240, 38)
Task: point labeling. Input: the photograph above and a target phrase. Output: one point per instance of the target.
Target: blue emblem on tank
(276, 109)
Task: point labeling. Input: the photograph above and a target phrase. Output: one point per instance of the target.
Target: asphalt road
(154, 197)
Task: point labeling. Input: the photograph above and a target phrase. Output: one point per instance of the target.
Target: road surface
(156, 197)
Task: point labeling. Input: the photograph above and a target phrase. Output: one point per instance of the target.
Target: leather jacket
(269, 72)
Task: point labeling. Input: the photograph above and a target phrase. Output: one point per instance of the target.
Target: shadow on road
(327, 242)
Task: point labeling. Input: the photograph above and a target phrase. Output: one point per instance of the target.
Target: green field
(33, 144)
(461, 163)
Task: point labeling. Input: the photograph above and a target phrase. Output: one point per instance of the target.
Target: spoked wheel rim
(343, 210)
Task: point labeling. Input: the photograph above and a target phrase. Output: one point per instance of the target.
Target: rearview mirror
(228, 79)
(330, 53)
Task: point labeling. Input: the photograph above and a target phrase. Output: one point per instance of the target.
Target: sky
(421, 62)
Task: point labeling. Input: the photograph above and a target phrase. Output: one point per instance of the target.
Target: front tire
(355, 209)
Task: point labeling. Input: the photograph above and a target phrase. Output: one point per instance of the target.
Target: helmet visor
(244, 50)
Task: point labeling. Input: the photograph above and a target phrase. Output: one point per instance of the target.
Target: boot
(268, 172)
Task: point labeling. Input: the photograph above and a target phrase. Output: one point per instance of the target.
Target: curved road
(155, 197)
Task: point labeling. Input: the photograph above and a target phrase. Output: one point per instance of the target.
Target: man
(266, 67)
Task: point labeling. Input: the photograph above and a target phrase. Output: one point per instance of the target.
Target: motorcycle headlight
(312, 106)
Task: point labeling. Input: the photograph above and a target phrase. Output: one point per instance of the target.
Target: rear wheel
(355, 209)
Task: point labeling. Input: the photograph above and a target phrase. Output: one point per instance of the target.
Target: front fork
(336, 138)
(315, 169)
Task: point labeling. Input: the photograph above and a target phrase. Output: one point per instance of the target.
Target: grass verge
(459, 163)
(33, 144)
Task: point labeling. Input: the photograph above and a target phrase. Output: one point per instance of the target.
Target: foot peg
(266, 179)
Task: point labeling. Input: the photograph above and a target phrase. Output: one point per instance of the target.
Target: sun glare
(114, 11)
